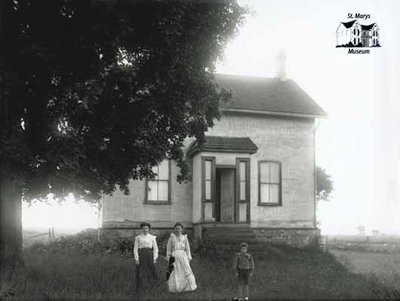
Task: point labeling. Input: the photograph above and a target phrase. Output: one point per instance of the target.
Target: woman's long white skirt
(181, 278)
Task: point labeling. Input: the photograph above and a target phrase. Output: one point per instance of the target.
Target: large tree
(94, 92)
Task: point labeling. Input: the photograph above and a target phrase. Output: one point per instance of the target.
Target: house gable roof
(223, 145)
(268, 95)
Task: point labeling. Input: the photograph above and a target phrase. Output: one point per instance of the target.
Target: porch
(221, 180)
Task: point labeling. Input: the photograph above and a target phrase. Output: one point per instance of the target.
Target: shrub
(83, 243)
(86, 243)
(205, 247)
(162, 241)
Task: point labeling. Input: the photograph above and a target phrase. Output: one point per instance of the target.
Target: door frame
(236, 186)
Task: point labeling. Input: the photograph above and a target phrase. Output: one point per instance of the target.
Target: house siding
(121, 210)
(289, 141)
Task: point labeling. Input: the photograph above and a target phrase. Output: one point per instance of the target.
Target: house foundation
(299, 237)
(235, 233)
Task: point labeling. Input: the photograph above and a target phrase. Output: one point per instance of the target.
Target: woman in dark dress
(145, 252)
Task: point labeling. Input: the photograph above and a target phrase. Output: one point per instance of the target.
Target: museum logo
(357, 36)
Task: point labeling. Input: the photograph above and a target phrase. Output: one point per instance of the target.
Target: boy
(243, 265)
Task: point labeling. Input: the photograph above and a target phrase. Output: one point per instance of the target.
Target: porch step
(251, 238)
(229, 238)
(229, 232)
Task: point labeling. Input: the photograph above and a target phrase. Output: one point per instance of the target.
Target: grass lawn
(384, 266)
(280, 274)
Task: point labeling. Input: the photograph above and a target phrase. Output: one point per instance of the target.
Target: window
(243, 190)
(243, 181)
(243, 172)
(159, 189)
(208, 188)
(269, 175)
(207, 180)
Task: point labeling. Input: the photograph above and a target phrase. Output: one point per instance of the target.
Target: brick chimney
(280, 64)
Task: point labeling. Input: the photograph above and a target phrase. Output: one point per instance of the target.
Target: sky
(358, 143)
(68, 217)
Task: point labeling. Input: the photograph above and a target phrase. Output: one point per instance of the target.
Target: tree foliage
(324, 185)
(94, 93)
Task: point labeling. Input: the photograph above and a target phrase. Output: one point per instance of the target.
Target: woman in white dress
(145, 252)
(181, 278)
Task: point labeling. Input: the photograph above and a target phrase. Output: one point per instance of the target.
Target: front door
(225, 199)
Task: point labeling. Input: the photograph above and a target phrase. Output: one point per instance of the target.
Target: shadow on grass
(280, 273)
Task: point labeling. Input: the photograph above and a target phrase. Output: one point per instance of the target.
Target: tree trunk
(11, 260)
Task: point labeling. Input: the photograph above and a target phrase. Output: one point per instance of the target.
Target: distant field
(372, 256)
(373, 238)
(29, 237)
(378, 243)
(44, 235)
(382, 266)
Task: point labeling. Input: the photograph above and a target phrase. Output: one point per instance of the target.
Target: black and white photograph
(199, 150)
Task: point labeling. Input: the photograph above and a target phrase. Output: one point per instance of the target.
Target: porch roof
(223, 145)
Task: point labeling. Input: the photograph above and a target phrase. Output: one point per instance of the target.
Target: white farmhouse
(254, 176)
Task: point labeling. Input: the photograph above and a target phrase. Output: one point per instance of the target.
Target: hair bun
(144, 225)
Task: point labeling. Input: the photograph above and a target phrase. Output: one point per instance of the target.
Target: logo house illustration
(353, 34)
